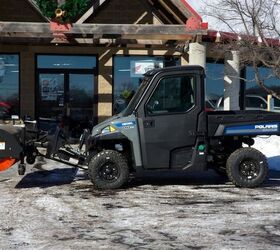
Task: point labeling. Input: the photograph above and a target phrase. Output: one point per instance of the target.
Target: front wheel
(108, 170)
(247, 167)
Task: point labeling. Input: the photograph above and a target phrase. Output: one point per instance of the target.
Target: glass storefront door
(51, 95)
(66, 91)
(81, 102)
(67, 98)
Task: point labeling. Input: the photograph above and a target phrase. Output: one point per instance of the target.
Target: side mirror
(151, 107)
(156, 103)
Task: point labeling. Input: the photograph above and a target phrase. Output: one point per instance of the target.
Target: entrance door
(51, 95)
(68, 97)
(168, 121)
(81, 102)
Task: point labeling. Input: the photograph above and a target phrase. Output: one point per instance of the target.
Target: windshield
(136, 98)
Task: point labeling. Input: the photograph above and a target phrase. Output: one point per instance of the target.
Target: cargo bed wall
(247, 122)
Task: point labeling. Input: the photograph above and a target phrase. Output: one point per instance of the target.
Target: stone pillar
(27, 84)
(197, 54)
(232, 81)
(105, 83)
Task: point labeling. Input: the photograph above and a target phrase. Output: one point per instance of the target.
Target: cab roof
(174, 69)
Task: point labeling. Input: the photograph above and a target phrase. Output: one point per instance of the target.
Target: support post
(270, 103)
(232, 81)
(197, 54)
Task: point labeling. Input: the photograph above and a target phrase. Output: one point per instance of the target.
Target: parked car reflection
(252, 102)
(5, 110)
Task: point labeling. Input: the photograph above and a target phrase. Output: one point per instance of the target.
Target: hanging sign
(138, 68)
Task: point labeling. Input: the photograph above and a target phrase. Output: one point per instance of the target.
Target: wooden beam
(32, 3)
(170, 32)
(181, 7)
(171, 11)
(24, 27)
(104, 29)
(91, 10)
(24, 40)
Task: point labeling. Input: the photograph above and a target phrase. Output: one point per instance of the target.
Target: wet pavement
(55, 207)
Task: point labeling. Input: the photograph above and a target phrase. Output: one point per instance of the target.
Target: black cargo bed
(217, 118)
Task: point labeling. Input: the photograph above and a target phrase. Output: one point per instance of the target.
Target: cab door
(167, 119)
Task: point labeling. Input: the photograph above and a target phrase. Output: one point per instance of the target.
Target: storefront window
(214, 84)
(9, 85)
(65, 62)
(254, 91)
(128, 74)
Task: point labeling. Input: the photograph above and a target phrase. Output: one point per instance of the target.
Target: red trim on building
(221, 36)
(194, 22)
(191, 10)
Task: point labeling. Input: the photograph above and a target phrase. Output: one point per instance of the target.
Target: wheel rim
(109, 172)
(249, 169)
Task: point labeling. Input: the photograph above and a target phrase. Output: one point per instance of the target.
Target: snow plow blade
(6, 163)
(11, 139)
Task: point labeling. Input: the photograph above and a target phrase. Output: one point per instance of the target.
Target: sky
(196, 4)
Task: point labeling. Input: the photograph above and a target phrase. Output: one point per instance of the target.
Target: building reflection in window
(255, 92)
(128, 74)
(9, 85)
(214, 85)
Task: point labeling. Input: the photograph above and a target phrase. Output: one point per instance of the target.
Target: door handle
(149, 123)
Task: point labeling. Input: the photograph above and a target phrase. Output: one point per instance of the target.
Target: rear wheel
(247, 167)
(108, 170)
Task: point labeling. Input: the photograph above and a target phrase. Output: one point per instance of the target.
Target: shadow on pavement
(207, 178)
(61, 176)
(48, 178)
(161, 178)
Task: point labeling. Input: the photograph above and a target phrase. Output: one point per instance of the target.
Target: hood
(97, 129)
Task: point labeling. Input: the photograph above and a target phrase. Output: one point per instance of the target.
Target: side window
(255, 102)
(172, 95)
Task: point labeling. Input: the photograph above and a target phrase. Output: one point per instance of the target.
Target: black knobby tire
(108, 170)
(247, 167)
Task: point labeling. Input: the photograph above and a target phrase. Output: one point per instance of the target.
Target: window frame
(68, 71)
(173, 113)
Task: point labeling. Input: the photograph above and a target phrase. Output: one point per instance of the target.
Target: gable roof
(186, 8)
(20, 11)
(168, 11)
(125, 19)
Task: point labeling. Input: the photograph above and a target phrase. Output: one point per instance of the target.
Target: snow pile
(270, 146)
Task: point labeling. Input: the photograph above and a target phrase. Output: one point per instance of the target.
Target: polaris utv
(166, 127)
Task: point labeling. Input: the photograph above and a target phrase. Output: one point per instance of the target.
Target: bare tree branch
(256, 22)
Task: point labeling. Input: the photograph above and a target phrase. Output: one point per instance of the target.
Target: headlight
(108, 129)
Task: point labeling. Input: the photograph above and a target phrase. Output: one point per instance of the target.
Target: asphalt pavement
(55, 207)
